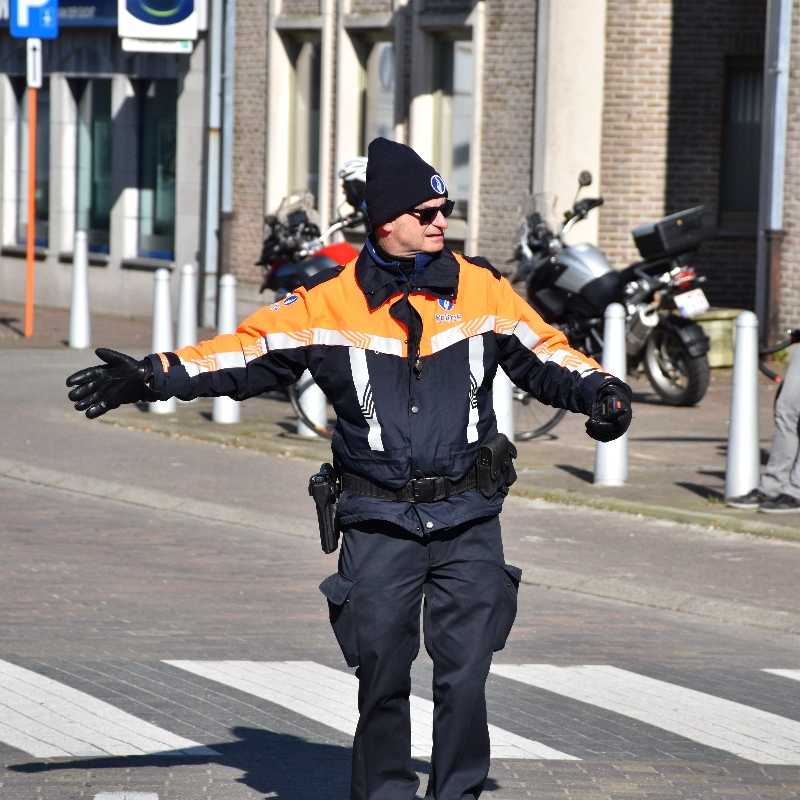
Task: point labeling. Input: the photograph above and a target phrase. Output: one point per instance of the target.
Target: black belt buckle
(423, 490)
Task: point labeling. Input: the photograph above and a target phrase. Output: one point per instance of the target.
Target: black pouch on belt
(495, 466)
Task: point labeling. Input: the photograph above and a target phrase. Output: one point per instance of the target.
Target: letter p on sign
(23, 15)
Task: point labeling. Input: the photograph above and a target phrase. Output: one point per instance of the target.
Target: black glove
(121, 379)
(611, 412)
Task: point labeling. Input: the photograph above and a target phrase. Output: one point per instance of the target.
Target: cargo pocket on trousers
(506, 603)
(336, 589)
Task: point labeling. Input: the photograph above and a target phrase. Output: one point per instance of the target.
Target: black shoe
(753, 499)
(782, 504)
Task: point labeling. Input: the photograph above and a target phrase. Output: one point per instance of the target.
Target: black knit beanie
(397, 180)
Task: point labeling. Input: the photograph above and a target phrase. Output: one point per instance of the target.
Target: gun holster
(324, 488)
(495, 466)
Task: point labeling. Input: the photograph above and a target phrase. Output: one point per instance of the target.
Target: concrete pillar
(124, 170)
(189, 168)
(63, 163)
(327, 156)
(279, 70)
(348, 124)
(570, 69)
(422, 106)
(9, 161)
(478, 18)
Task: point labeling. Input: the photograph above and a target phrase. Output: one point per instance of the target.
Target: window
(157, 132)
(741, 144)
(94, 163)
(453, 117)
(377, 109)
(305, 56)
(42, 194)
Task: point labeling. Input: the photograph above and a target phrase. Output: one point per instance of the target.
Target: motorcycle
(571, 285)
(295, 249)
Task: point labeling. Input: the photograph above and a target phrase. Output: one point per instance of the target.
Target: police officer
(405, 342)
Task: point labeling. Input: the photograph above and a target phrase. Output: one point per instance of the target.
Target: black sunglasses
(427, 215)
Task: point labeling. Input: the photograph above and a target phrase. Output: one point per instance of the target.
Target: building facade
(119, 155)
(664, 101)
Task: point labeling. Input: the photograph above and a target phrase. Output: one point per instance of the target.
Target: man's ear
(382, 231)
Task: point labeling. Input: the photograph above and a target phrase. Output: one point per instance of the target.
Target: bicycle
(792, 337)
(295, 391)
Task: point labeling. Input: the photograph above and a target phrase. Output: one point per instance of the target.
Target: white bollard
(187, 306)
(162, 330)
(80, 328)
(226, 410)
(313, 402)
(742, 470)
(611, 458)
(503, 402)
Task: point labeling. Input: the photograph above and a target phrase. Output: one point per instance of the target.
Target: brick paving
(97, 594)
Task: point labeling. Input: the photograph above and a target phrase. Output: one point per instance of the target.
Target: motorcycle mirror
(585, 178)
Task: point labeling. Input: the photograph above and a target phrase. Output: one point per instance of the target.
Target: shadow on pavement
(276, 764)
(585, 475)
(8, 322)
(706, 492)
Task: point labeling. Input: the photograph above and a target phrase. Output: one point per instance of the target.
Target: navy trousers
(468, 597)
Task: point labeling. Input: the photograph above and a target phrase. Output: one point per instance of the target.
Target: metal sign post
(34, 84)
(32, 20)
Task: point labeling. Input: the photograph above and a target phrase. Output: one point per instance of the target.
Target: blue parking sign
(34, 19)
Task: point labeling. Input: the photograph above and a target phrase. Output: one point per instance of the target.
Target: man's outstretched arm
(268, 350)
(538, 358)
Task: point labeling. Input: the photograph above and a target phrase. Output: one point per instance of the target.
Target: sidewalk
(677, 455)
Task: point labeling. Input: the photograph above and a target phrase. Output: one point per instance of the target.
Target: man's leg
(388, 571)
(782, 473)
(470, 604)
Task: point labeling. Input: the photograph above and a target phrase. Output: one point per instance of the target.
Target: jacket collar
(435, 274)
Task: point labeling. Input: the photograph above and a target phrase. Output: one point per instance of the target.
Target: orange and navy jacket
(406, 358)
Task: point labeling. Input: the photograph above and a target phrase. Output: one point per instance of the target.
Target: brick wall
(635, 120)
(242, 244)
(301, 7)
(790, 253)
(371, 6)
(662, 125)
(508, 92)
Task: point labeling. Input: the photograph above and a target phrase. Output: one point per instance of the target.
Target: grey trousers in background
(782, 473)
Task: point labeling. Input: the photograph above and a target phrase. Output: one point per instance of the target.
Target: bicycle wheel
(532, 418)
(326, 431)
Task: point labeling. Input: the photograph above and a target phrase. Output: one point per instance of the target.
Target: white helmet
(354, 169)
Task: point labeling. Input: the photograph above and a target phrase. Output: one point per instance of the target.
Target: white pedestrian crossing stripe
(747, 732)
(47, 719)
(330, 696)
(793, 674)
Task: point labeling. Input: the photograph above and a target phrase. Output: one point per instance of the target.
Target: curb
(665, 600)
(702, 518)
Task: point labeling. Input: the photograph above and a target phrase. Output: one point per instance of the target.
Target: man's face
(411, 233)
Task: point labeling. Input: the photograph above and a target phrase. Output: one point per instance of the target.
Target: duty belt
(417, 490)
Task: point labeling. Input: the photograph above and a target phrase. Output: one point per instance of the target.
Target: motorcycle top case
(678, 233)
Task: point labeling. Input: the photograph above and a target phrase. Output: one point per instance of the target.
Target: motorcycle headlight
(554, 246)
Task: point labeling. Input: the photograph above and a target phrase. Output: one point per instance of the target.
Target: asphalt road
(162, 632)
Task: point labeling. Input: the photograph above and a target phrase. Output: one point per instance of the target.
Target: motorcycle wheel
(532, 418)
(678, 378)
